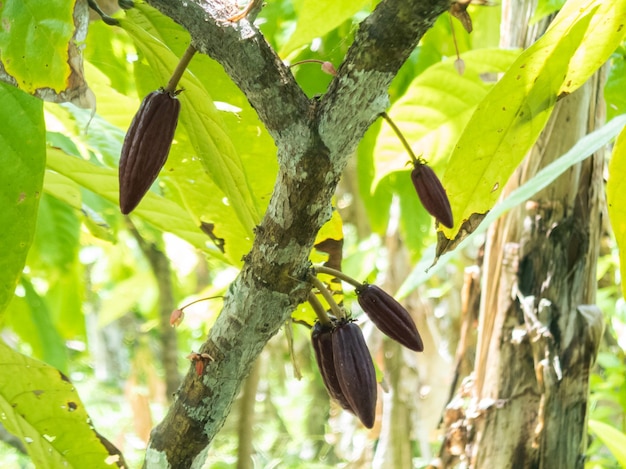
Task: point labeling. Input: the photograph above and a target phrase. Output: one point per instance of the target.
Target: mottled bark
(314, 138)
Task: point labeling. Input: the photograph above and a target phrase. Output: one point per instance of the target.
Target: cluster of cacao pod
(342, 355)
(146, 146)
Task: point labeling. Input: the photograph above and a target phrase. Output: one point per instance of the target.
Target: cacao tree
(259, 150)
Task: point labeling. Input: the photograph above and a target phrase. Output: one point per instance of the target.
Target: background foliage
(80, 296)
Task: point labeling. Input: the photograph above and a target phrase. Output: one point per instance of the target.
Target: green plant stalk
(322, 269)
(328, 296)
(182, 308)
(307, 61)
(405, 144)
(318, 307)
(180, 69)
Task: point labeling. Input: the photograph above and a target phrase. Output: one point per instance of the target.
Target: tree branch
(314, 140)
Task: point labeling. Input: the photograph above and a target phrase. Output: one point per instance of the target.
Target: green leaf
(56, 239)
(615, 85)
(125, 296)
(156, 210)
(602, 36)
(510, 118)
(204, 128)
(545, 8)
(34, 40)
(614, 440)
(318, 17)
(435, 109)
(32, 321)
(41, 407)
(22, 159)
(588, 145)
(616, 196)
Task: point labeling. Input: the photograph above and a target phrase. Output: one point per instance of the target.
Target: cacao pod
(146, 146)
(323, 348)
(432, 194)
(389, 316)
(355, 371)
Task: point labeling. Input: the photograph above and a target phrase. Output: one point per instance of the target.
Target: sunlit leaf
(510, 118)
(318, 17)
(616, 198)
(125, 296)
(41, 407)
(435, 109)
(22, 159)
(585, 147)
(39, 48)
(160, 212)
(612, 438)
(602, 36)
(205, 129)
(615, 86)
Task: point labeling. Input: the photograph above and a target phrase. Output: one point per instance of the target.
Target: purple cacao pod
(323, 348)
(432, 194)
(389, 316)
(146, 146)
(355, 371)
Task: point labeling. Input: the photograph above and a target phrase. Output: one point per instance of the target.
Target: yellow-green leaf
(41, 407)
(616, 200)
(510, 118)
(318, 17)
(205, 129)
(612, 438)
(22, 159)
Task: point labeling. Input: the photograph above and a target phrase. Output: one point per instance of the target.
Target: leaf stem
(405, 144)
(328, 296)
(183, 63)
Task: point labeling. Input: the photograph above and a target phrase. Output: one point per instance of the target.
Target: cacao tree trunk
(314, 139)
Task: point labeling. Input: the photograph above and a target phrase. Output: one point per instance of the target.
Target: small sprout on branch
(177, 316)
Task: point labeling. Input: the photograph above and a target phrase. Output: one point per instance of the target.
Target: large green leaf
(158, 211)
(616, 198)
(34, 40)
(204, 128)
(318, 17)
(22, 159)
(585, 147)
(435, 108)
(185, 177)
(41, 407)
(510, 118)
